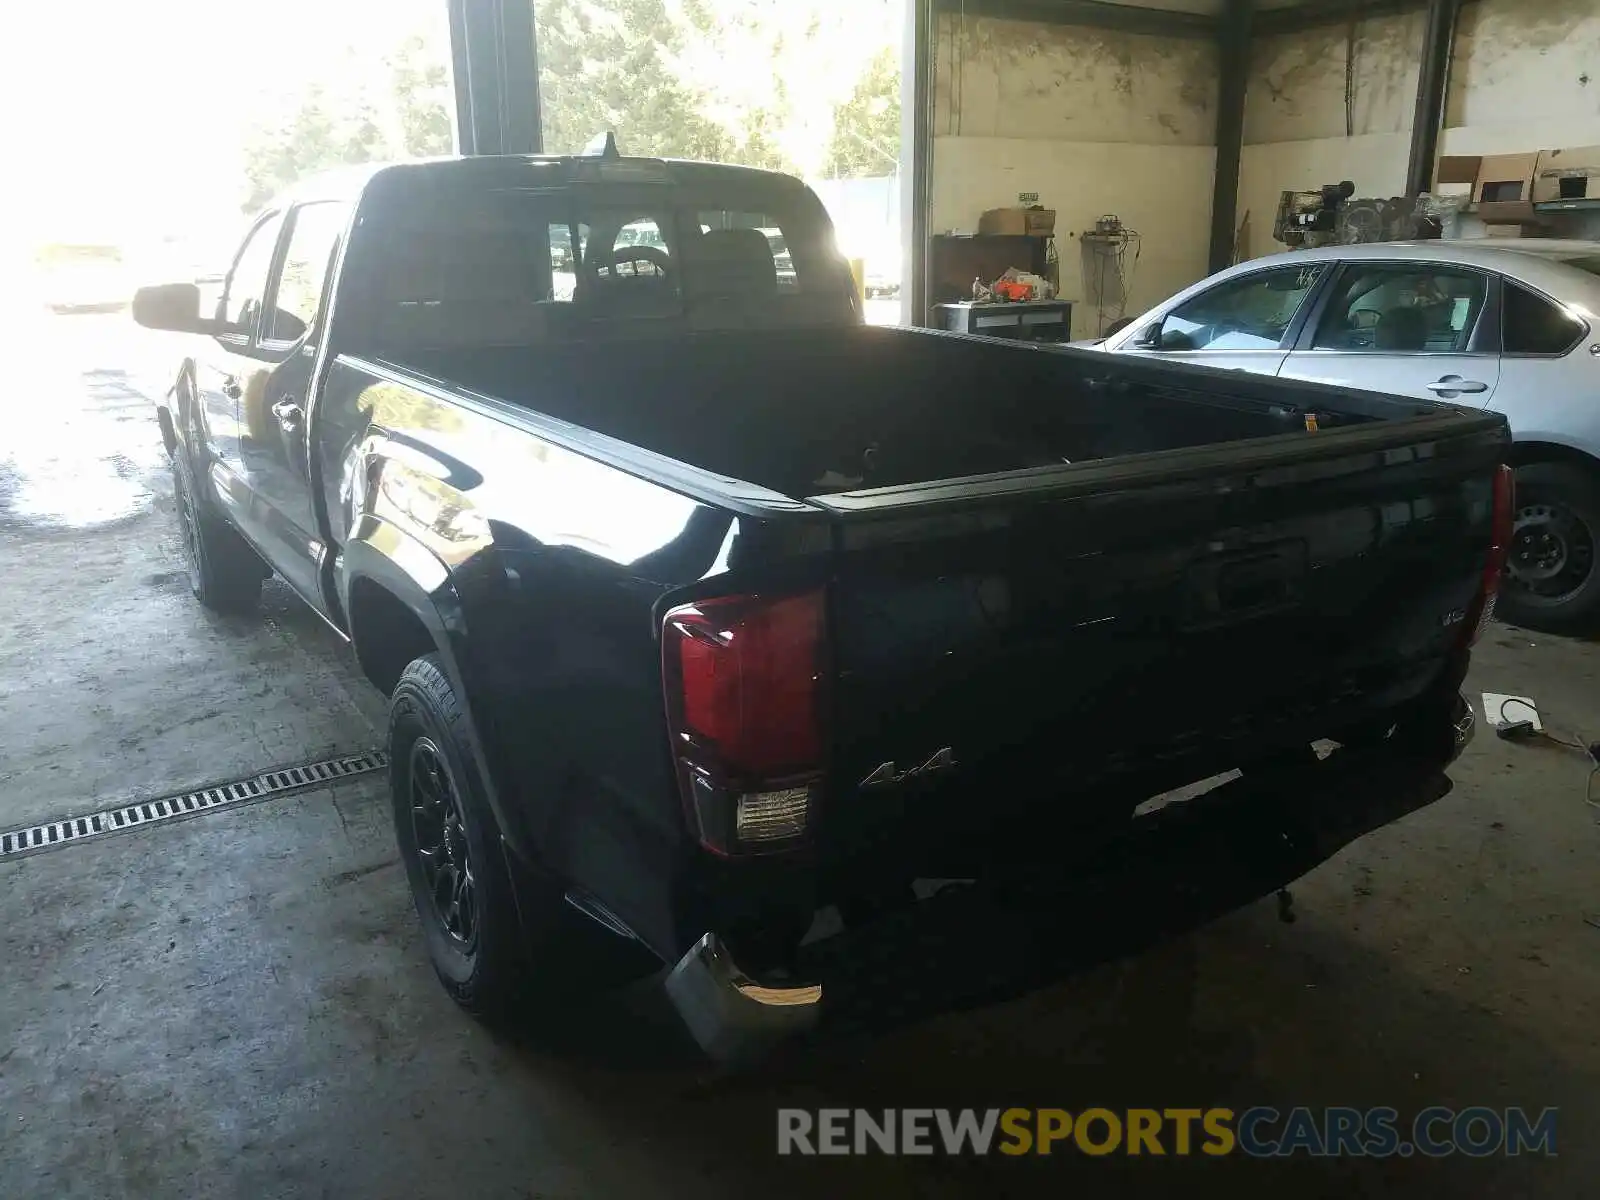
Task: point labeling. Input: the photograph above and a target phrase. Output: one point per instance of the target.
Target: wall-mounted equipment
(1110, 254)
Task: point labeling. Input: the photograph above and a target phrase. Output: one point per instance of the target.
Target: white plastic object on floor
(1499, 709)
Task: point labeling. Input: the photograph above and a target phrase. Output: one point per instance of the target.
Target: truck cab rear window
(740, 226)
(498, 266)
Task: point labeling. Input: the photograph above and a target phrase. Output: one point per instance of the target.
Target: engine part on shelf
(1311, 218)
(1396, 219)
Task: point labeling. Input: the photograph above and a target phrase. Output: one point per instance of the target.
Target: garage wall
(1526, 76)
(1094, 121)
(1299, 130)
(1517, 82)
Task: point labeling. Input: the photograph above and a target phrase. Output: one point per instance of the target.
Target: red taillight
(744, 711)
(1494, 566)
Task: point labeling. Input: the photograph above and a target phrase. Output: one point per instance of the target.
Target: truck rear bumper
(731, 1015)
(993, 939)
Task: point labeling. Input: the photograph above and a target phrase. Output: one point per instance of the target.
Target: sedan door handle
(289, 414)
(231, 388)
(1455, 385)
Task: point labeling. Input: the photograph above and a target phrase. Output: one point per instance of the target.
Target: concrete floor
(239, 1005)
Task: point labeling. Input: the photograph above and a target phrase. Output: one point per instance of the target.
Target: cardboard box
(1010, 221)
(1503, 190)
(1457, 169)
(1569, 174)
(1034, 222)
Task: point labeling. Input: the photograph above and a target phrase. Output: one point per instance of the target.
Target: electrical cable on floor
(1524, 730)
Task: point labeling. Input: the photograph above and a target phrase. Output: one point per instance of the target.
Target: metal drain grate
(52, 835)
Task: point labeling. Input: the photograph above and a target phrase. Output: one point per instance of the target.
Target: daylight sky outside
(127, 115)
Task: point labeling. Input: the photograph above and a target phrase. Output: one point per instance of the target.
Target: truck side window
(1533, 325)
(307, 259)
(1394, 308)
(1252, 312)
(247, 281)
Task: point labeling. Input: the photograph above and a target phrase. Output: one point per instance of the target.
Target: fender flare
(389, 558)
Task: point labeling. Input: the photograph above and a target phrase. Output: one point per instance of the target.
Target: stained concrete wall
(1525, 76)
(1301, 130)
(1095, 122)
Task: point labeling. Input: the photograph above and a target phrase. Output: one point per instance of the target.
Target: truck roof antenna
(602, 145)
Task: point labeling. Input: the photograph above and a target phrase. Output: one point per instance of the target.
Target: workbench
(1029, 320)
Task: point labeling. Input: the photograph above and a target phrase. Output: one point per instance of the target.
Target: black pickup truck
(833, 672)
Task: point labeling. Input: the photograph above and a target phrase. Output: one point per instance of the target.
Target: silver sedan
(1512, 325)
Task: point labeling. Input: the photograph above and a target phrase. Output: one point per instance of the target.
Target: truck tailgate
(1005, 646)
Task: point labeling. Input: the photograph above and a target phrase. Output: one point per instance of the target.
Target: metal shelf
(1568, 206)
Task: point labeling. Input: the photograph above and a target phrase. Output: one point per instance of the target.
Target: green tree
(317, 135)
(866, 127)
(782, 72)
(799, 85)
(399, 106)
(608, 65)
(421, 91)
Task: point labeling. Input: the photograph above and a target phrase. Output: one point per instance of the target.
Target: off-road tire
(225, 573)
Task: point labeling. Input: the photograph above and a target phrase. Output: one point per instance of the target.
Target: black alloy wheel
(503, 947)
(441, 841)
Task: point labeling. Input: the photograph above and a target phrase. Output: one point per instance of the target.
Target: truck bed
(1089, 579)
(819, 411)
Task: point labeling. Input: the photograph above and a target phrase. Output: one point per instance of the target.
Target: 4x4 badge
(887, 776)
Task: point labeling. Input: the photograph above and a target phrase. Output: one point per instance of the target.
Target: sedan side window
(1533, 325)
(1250, 313)
(1398, 308)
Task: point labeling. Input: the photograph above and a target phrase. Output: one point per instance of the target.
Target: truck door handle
(231, 388)
(1452, 385)
(289, 414)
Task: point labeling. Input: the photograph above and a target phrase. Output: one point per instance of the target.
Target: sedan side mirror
(1150, 338)
(172, 306)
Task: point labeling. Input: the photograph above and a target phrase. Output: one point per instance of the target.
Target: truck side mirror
(171, 306)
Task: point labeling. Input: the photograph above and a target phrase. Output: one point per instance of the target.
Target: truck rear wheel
(225, 574)
(1553, 583)
(450, 845)
(490, 939)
